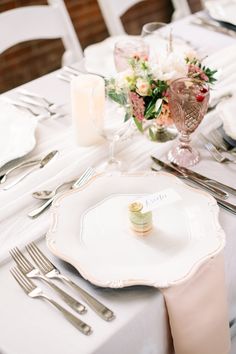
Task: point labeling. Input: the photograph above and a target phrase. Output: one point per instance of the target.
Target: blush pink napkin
(198, 312)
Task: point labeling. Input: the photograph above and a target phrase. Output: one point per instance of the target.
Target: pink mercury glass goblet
(188, 101)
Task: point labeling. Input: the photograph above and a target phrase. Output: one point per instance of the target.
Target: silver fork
(221, 145)
(34, 109)
(31, 272)
(216, 154)
(35, 96)
(34, 291)
(52, 109)
(51, 271)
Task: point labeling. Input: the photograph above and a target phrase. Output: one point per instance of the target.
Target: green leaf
(138, 124)
(127, 116)
(117, 97)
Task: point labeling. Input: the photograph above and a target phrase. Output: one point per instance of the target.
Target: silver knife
(199, 21)
(24, 164)
(218, 192)
(41, 164)
(226, 205)
(205, 179)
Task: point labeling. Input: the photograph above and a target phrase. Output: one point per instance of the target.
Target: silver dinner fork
(31, 272)
(34, 291)
(216, 154)
(51, 272)
(217, 139)
(35, 96)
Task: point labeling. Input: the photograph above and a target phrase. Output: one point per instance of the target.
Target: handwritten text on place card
(153, 201)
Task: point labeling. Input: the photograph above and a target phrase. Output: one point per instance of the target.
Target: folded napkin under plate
(183, 256)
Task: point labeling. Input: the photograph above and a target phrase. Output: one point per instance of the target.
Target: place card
(156, 200)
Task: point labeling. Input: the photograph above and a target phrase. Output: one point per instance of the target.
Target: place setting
(127, 207)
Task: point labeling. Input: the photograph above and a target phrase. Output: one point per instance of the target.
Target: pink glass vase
(188, 102)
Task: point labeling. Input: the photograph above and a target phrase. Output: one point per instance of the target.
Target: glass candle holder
(126, 49)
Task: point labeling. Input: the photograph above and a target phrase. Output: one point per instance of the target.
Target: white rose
(170, 67)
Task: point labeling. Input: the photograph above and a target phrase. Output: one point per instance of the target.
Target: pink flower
(138, 105)
(165, 117)
(195, 71)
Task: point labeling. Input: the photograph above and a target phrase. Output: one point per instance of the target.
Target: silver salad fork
(31, 272)
(34, 291)
(50, 271)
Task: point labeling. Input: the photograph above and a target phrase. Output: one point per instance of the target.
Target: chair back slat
(40, 22)
(113, 10)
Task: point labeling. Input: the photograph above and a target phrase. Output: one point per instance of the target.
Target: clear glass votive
(126, 49)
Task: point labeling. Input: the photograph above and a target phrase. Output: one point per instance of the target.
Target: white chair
(112, 10)
(40, 22)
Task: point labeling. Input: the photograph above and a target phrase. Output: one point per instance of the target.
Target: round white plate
(90, 230)
(17, 132)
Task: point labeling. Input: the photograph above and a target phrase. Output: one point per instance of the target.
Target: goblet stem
(113, 163)
(184, 140)
(183, 153)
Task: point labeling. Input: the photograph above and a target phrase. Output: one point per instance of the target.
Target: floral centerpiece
(143, 88)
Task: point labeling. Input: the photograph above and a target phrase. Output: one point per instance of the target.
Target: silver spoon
(78, 183)
(48, 194)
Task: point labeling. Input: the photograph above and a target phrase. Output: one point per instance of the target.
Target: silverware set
(37, 105)
(33, 165)
(219, 154)
(212, 25)
(45, 270)
(216, 154)
(49, 196)
(69, 72)
(214, 187)
(217, 139)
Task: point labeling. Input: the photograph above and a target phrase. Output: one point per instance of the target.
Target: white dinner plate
(222, 10)
(17, 132)
(90, 230)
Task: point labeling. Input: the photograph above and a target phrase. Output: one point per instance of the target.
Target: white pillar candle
(87, 107)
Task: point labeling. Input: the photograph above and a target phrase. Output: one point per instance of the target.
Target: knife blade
(44, 161)
(209, 181)
(24, 164)
(226, 205)
(199, 21)
(216, 191)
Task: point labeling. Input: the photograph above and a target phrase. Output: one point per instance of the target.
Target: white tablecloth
(141, 325)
